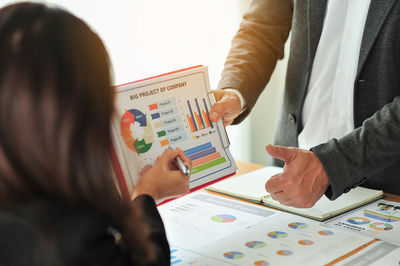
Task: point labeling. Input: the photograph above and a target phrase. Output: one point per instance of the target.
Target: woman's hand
(164, 179)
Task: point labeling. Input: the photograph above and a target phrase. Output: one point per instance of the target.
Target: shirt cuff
(239, 94)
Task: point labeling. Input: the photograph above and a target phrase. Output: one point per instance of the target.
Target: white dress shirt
(328, 108)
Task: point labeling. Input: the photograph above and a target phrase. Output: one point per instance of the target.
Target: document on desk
(251, 187)
(207, 229)
(377, 254)
(380, 219)
(169, 110)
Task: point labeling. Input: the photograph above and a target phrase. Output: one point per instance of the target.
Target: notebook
(251, 187)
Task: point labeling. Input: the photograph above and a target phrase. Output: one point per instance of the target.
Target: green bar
(208, 165)
(383, 215)
(161, 133)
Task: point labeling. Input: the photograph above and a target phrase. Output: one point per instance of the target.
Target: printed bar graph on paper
(199, 148)
(206, 120)
(190, 121)
(198, 120)
(202, 154)
(206, 159)
(208, 165)
(192, 116)
(208, 113)
(198, 109)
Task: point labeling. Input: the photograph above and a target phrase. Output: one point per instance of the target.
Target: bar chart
(198, 118)
(166, 120)
(203, 157)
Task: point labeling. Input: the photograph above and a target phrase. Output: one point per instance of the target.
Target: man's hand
(303, 181)
(227, 106)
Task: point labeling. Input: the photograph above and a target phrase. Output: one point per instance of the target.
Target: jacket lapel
(378, 11)
(316, 14)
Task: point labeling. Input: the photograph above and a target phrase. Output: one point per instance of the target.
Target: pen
(181, 165)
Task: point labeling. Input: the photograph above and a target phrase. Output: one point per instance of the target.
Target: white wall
(149, 37)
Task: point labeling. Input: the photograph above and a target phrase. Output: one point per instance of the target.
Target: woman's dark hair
(56, 104)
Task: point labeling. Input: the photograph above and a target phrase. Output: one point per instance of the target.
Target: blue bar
(155, 116)
(200, 113)
(196, 149)
(208, 114)
(191, 114)
(173, 250)
(202, 154)
(175, 262)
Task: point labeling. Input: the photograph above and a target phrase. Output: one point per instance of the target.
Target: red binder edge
(117, 167)
(161, 75)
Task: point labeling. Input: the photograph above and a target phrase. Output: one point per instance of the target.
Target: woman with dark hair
(58, 200)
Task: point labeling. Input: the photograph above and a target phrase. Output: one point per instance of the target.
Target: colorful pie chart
(381, 226)
(233, 255)
(277, 234)
(325, 232)
(284, 252)
(358, 220)
(261, 263)
(297, 225)
(130, 118)
(223, 218)
(255, 244)
(305, 242)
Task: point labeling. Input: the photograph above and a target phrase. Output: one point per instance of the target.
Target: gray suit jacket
(370, 155)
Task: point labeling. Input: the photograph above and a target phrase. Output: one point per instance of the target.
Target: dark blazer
(370, 154)
(49, 232)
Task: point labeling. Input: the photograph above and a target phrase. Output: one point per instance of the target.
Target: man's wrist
(241, 98)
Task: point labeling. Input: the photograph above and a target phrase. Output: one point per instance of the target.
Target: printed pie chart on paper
(136, 131)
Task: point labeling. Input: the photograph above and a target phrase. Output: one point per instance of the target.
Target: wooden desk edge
(245, 167)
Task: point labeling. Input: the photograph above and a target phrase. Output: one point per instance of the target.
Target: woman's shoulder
(56, 233)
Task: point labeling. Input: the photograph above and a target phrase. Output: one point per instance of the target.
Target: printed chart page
(377, 254)
(380, 219)
(206, 229)
(170, 110)
(200, 219)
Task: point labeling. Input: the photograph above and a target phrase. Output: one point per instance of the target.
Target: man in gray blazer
(341, 110)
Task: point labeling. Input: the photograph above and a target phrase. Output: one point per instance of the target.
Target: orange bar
(206, 159)
(189, 119)
(164, 142)
(153, 106)
(205, 117)
(198, 120)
